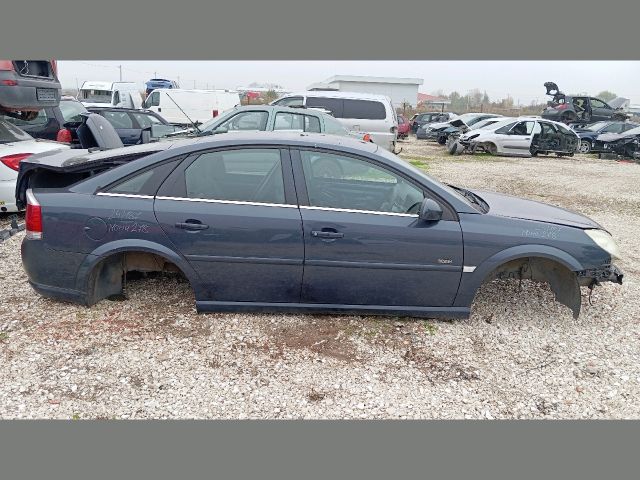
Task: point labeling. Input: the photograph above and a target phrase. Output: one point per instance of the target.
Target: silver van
(360, 112)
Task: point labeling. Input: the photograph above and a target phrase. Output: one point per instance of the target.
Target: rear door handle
(192, 225)
(326, 234)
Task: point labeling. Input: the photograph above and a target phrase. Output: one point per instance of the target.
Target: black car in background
(49, 123)
(129, 122)
(420, 119)
(589, 133)
(579, 108)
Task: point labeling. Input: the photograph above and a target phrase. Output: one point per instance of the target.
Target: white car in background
(523, 137)
(16, 145)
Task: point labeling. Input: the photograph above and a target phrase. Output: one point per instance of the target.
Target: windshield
(633, 131)
(95, 96)
(71, 110)
(10, 133)
(214, 122)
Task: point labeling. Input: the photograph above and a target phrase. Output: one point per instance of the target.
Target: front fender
(471, 281)
(129, 245)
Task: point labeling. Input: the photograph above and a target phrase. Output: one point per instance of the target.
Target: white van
(361, 112)
(110, 94)
(198, 105)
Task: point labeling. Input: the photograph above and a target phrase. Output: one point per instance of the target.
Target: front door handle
(326, 234)
(192, 225)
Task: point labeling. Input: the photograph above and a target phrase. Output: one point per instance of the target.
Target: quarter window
(249, 175)
(290, 102)
(336, 181)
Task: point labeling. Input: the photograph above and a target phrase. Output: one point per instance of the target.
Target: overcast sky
(522, 80)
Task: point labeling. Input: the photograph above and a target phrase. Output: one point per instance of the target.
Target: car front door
(600, 110)
(233, 215)
(517, 140)
(364, 242)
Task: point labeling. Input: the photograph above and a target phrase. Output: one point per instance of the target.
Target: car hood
(514, 207)
(612, 137)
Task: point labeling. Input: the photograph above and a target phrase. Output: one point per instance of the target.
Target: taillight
(9, 83)
(33, 217)
(13, 161)
(214, 113)
(393, 129)
(6, 65)
(54, 67)
(64, 136)
(366, 137)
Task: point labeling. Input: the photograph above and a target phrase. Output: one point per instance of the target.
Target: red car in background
(403, 126)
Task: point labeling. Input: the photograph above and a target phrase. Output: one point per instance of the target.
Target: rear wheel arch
(101, 274)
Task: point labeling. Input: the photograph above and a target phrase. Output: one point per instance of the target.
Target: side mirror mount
(430, 211)
(220, 130)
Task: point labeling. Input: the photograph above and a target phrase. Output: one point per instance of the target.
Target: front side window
(595, 103)
(523, 128)
(253, 120)
(247, 175)
(153, 100)
(145, 121)
(613, 128)
(337, 181)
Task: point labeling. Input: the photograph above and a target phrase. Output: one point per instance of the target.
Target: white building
(400, 90)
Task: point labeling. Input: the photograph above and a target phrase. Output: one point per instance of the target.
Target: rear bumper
(23, 96)
(52, 273)
(8, 196)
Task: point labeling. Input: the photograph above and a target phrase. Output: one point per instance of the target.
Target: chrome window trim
(350, 210)
(229, 202)
(126, 195)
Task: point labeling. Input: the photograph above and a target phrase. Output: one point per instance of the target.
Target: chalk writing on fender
(129, 227)
(546, 232)
(117, 214)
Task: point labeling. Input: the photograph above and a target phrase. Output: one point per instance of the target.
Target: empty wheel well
(563, 281)
(107, 277)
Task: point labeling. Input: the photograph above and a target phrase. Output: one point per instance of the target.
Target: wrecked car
(455, 147)
(253, 226)
(420, 119)
(440, 131)
(625, 145)
(523, 137)
(589, 133)
(579, 108)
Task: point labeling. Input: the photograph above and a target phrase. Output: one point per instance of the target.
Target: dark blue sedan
(257, 221)
(589, 133)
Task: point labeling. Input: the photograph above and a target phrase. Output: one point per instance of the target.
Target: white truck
(182, 107)
(110, 94)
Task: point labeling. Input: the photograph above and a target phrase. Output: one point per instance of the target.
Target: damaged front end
(564, 283)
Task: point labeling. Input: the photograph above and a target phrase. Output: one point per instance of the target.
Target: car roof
(280, 108)
(121, 109)
(336, 94)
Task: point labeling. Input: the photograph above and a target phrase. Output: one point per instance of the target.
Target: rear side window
(118, 119)
(334, 127)
(294, 121)
(41, 119)
(332, 105)
(364, 109)
(247, 175)
(146, 182)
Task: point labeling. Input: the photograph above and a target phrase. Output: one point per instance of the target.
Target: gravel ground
(520, 355)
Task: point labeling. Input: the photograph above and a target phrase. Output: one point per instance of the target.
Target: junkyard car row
(299, 205)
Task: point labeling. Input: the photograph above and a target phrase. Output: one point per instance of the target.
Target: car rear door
(363, 243)
(233, 214)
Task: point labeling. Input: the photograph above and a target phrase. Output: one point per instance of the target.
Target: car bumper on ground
(8, 196)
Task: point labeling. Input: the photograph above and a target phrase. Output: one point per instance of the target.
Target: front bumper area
(595, 276)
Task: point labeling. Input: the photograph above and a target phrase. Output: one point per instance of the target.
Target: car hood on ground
(515, 207)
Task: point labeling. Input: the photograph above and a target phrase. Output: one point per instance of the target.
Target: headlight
(604, 241)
